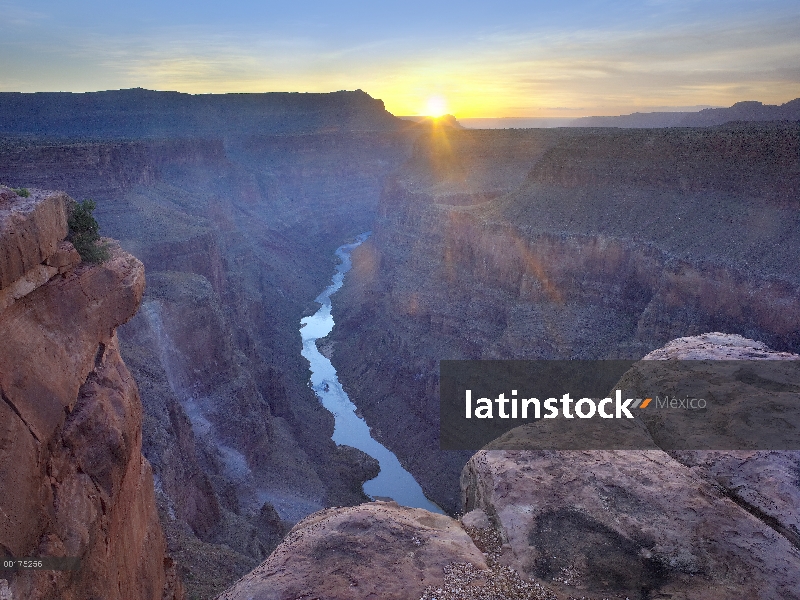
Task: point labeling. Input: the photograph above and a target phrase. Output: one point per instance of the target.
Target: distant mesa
(746, 111)
(139, 113)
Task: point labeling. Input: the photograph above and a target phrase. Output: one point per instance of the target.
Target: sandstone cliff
(73, 481)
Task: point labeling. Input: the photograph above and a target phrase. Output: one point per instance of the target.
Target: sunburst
(436, 106)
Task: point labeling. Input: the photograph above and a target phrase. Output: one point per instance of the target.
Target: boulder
(647, 524)
(375, 550)
(596, 524)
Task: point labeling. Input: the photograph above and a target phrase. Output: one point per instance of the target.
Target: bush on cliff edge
(84, 233)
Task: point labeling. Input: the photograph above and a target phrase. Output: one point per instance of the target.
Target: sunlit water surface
(393, 481)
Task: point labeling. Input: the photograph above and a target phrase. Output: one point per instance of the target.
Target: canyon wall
(237, 231)
(73, 478)
(592, 244)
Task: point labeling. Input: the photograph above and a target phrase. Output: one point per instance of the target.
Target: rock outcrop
(647, 524)
(376, 550)
(628, 523)
(73, 481)
(32, 228)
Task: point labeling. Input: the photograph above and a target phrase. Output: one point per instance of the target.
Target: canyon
(237, 234)
(599, 244)
(561, 243)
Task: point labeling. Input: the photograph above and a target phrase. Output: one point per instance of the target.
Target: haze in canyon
(570, 243)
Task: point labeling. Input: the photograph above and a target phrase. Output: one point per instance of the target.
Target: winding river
(393, 481)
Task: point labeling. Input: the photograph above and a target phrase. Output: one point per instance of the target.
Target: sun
(436, 107)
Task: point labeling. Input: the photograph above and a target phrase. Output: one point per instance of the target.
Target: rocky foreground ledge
(562, 525)
(73, 481)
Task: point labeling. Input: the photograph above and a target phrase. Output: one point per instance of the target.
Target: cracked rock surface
(648, 524)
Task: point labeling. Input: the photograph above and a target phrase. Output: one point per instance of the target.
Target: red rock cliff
(73, 481)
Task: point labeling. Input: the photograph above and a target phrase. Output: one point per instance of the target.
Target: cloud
(630, 69)
(499, 72)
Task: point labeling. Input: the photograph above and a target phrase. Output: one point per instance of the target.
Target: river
(393, 481)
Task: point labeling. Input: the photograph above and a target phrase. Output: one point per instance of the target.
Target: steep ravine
(612, 244)
(235, 265)
(237, 232)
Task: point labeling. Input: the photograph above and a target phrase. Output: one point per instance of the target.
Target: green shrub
(84, 233)
(21, 192)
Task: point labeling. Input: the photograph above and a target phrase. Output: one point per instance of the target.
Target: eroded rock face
(73, 481)
(585, 245)
(30, 230)
(375, 550)
(99, 500)
(647, 524)
(54, 335)
(630, 523)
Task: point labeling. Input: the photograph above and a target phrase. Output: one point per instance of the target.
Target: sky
(507, 58)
